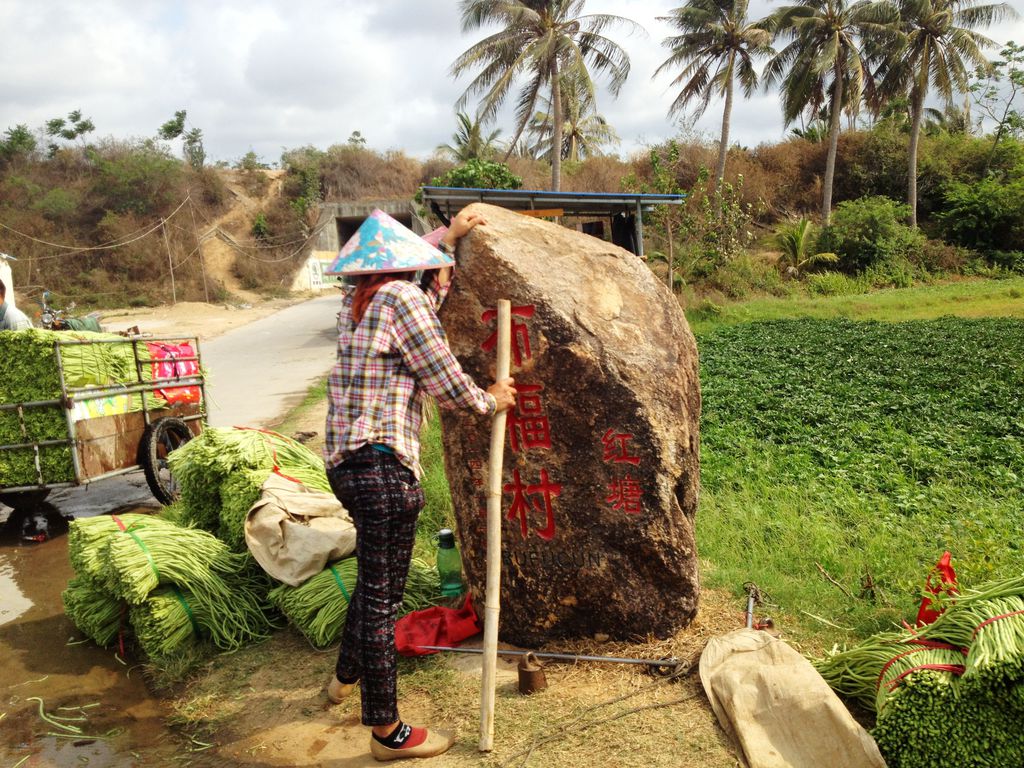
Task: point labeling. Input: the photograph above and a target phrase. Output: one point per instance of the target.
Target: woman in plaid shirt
(391, 352)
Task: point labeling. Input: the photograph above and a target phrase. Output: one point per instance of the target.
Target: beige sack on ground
(293, 532)
(780, 710)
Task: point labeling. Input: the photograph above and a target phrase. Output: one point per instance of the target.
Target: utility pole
(199, 247)
(170, 262)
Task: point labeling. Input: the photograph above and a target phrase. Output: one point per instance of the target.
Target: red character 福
(528, 427)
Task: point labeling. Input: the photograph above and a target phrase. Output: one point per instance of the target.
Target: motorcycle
(56, 319)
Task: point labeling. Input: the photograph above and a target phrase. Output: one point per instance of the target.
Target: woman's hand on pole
(504, 394)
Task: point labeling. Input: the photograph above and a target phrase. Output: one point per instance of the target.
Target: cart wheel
(24, 499)
(162, 437)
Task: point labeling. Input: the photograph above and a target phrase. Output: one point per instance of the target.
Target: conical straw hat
(382, 244)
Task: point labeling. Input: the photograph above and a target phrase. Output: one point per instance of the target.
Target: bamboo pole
(492, 595)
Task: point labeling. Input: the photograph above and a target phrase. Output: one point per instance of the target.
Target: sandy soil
(191, 318)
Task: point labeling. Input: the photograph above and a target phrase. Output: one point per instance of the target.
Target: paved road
(259, 371)
(256, 373)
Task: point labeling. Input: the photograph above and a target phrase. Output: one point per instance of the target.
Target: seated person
(11, 318)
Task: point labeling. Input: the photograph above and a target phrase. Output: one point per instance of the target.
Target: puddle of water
(72, 681)
(12, 602)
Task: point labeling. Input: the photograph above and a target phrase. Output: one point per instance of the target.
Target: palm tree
(584, 131)
(542, 39)
(469, 141)
(796, 240)
(717, 45)
(939, 50)
(823, 64)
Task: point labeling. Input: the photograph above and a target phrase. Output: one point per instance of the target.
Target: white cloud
(269, 74)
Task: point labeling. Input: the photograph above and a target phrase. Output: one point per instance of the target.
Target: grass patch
(964, 298)
(866, 448)
(313, 401)
(438, 512)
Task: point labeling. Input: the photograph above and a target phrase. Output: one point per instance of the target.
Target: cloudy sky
(272, 74)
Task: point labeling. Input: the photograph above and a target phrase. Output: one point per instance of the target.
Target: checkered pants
(384, 499)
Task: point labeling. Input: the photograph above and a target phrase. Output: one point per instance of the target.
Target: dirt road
(259, 371)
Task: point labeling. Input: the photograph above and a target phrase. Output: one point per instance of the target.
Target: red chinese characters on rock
(624, 492)
(624, 495)
(520, 333)
(615, 449)
(528, 429)
(542, 492)
(528, 425)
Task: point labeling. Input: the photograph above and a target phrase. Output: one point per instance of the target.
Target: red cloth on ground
(435, 626)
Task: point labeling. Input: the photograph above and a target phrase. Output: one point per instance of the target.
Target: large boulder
(601, 469)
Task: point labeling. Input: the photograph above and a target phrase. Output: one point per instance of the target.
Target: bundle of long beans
(87, 539)
(318, 607)
(238, 493)
(29, 373)
(96, 613)
(221, 471)
(145, 555)
(168, 619)
(953, 692)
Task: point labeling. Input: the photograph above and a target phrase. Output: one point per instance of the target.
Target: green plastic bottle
(449, 564)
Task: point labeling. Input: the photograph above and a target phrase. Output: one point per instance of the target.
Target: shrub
(353, 172)
(600, 173)
(895, 272)
(987, 215)
(136, 177)
(938, 256)
(867, 231)
(208, 187)
(1012, 261)
(57, 204)
(477, 173)
(260, 227)
(743, 275)
(833, 284)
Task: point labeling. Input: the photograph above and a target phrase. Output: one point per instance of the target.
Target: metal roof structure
(448, 200)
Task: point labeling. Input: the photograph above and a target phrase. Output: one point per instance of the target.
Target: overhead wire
(111, 245)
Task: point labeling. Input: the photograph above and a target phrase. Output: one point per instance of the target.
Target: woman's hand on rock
(463, 222)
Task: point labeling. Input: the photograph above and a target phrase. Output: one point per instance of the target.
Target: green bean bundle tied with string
(220, 474)
(168, 619)
(93, 610)
(87, 539)
(951, 692)
(318, 607)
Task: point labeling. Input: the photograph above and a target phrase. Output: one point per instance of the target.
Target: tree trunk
(917, 107)
(556, 130)
(671, 256)
(723, 145)
(833, 143)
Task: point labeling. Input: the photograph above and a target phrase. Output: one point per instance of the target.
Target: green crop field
(867, 449)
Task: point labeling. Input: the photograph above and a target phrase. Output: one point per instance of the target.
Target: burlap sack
(293, 532)
(781, 711)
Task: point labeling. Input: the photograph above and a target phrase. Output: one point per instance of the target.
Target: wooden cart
(104, 446)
